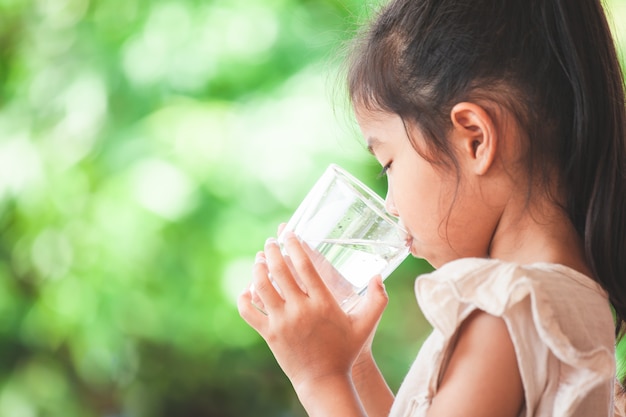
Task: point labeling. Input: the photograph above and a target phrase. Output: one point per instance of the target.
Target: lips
(409, 241)
(409, 238)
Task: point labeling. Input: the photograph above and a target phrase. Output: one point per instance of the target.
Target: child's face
(439, 210)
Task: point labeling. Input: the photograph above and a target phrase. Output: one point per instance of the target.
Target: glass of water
(348, 233)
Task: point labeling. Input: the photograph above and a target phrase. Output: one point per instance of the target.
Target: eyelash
(383, 172)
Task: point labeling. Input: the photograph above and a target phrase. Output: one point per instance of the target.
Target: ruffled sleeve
(559, 321)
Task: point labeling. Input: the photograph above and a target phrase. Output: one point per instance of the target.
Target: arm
(373, 390)
(330, 396)
(482, 377)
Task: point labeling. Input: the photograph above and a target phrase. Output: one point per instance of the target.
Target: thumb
(369, 311)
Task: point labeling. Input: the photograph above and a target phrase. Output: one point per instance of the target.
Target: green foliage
(147, 149)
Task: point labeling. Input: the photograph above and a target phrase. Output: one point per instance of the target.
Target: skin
(481, 212)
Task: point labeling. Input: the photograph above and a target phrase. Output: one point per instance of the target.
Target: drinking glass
(348, 234)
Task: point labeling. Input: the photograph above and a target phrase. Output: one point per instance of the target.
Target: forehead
(379, 124)
(382, 128)
(386, 130)
(366, 115)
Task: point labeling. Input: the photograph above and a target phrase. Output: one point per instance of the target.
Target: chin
(416, 251)
(432, 258)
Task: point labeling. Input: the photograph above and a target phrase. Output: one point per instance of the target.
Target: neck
(538, 233)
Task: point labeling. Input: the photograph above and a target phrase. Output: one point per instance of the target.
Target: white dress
(559, 321)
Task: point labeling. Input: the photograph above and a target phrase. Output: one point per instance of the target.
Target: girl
(509, 115)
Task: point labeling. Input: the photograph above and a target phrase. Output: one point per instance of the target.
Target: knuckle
(304, 265)
(242, 308)
(280, 269)
(325, 304)
(259, 269)
(261, 284)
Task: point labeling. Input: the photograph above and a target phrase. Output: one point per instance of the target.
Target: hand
(311, 337)
(340, 287)
(365, 356)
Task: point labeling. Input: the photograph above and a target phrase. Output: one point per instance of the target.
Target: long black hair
(553, 63)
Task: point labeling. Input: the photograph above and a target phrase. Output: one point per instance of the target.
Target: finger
(281, 227)
(256, 301)
(255, 318)
(304, 265)
(281, 273)
(325, 269)
(263, 285)
(369, 310)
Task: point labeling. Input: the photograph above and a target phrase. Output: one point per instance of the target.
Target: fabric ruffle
(495, 287)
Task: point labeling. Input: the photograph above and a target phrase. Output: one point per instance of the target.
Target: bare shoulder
(482, 377)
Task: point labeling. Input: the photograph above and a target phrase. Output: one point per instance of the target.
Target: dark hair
(552, 63)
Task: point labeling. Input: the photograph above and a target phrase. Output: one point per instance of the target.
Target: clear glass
(349, 234)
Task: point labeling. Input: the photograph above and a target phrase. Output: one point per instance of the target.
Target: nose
(390, 205)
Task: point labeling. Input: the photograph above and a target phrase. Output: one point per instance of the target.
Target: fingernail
(290, 235)
(379, 281)
(271, 241)
(259, 258)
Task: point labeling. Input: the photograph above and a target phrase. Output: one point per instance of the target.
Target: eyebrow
(372, 144)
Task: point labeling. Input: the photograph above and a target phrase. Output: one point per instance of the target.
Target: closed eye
(383, 172)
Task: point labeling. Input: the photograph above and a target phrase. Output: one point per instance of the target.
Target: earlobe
(475, 135)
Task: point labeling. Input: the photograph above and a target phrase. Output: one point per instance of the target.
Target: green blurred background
(147, 149)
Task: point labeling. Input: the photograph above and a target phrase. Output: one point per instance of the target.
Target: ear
(475, 136)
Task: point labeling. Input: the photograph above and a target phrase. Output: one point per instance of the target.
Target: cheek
(425, 204)
(422, 193)
(415, 202)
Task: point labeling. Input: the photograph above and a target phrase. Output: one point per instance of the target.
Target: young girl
(501, 127)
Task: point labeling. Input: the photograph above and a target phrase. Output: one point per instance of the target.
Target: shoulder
(482, 370)
(467, 272)
(529, 324)
(557, 322)
(552, 291)
(497, 325)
